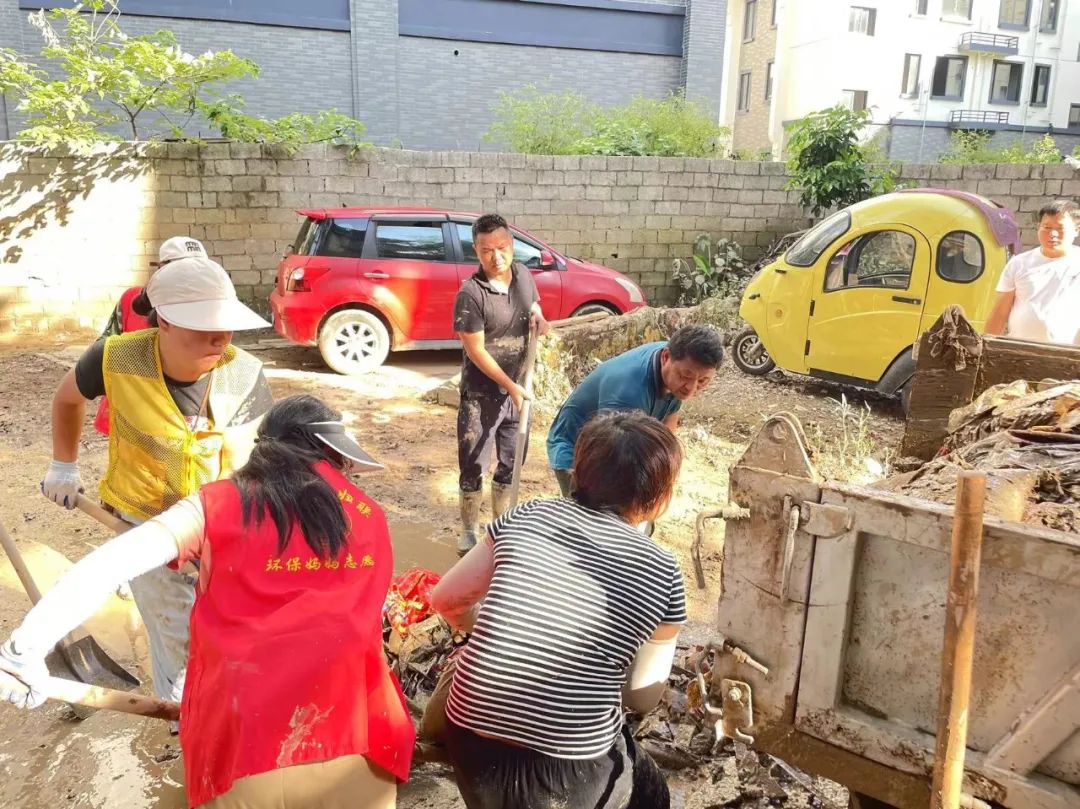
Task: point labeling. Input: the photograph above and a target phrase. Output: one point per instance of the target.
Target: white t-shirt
(1047, 305)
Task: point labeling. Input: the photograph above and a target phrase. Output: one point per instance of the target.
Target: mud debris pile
(1026, 437)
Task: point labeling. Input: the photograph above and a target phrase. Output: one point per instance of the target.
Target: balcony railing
(973, 119)
(980, 42)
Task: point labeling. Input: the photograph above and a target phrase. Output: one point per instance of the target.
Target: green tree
(827, 162)
(103, 82)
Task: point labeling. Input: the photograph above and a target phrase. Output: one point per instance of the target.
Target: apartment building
(424, 74)
(924, 68)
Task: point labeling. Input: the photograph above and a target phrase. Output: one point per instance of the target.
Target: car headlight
(632, 288)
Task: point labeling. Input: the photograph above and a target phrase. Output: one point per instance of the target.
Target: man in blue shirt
(655, 378)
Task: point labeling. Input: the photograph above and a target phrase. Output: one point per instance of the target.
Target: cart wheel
(748, 354)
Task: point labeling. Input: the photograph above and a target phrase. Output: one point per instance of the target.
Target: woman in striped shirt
(578, 620)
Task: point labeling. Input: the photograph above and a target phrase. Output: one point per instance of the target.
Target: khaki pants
(349, 782)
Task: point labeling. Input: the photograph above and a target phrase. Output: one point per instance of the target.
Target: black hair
(279, 478)
(1061, 207)
(488, 223)
(701, 344)
(625, 462)
(141, 305)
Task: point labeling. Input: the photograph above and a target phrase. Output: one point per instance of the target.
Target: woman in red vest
(133, 309)
(289, 702)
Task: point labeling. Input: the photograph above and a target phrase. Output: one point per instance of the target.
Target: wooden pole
(958, 652)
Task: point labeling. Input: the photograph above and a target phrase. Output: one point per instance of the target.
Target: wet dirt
(48, 760)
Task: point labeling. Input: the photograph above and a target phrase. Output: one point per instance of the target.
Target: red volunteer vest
(129, 321)
(286, 663)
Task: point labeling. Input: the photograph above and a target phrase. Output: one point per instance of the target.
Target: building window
(1005, 83)
(948, 81)
(909, 87)
(744, 91)
(956, 8)
(775, 9)
(1074, 116)
(1040, 86)
(1014, 13)
(768, 79)
(1048, 18)
(749, 21)
(853, 99)
(861, 20)
(920, 7)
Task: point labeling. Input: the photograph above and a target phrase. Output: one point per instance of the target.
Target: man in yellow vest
(185, 405)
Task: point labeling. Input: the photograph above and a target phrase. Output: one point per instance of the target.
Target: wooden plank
(1043, 552)
(827, 618)
(908, 750)
(1041, 729)
(943, 381)
(1005, 360)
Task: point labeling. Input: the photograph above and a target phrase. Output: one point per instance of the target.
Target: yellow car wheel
(749, 355)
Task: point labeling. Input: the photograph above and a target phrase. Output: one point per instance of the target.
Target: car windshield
(810, 247)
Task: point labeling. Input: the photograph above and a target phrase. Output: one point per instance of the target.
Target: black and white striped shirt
(574, 595)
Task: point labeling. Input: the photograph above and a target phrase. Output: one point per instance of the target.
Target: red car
(362, 281)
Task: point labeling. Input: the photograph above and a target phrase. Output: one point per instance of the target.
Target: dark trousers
(486, 423)
(494, 775)
(565, 478)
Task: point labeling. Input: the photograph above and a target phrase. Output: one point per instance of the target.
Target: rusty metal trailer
(839, 593)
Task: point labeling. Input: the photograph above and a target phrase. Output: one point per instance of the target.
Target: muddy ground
(48, 759)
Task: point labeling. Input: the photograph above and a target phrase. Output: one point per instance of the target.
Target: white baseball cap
(180, 247)
(196, 293)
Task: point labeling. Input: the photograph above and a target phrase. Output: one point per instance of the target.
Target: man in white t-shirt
(1039, 291)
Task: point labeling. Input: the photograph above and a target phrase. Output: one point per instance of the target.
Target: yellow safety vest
(155, 459)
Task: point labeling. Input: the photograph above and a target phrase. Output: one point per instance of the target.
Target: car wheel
(353, 341)
(594, 309)
(749, 355)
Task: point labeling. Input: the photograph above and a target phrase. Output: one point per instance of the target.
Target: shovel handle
(109, 520)
(17, 562)
(523, 421)
(92, 696)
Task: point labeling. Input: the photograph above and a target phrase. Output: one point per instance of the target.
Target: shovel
(79, 656)
(94, 697)
(523, 421)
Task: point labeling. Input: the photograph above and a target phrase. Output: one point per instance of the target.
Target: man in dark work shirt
(493, 314)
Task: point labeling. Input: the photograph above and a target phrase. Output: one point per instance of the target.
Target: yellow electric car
(848, 301)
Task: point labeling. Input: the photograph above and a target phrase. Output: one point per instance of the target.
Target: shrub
(531, 121)
(712, 272)
(972, 146)
(827, 163)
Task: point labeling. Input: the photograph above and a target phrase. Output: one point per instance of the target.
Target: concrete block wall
(75, 231)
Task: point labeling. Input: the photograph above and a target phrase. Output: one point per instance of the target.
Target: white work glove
(62, 483)
(31, 672)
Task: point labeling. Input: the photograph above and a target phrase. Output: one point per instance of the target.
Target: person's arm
(68, 412)
(473, 342)
(81, 590)
(458, 594)
(647, 676)
(537, 321)
(671, 421)
(999, 316)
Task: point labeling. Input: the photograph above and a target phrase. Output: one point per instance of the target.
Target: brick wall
(74, 231)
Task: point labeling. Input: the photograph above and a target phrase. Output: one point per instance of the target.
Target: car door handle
(376, 276)
(902, 299)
